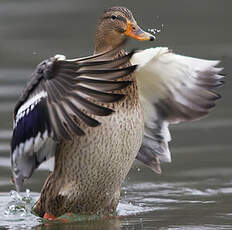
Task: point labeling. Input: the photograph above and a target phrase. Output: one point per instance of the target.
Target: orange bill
(134, 31)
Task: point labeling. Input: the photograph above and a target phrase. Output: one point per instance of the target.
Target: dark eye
(113, 17)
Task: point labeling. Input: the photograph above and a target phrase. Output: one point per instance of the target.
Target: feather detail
(172, 89)
(60, 96)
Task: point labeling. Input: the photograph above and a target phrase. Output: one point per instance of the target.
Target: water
(195, 191)
(144, 205)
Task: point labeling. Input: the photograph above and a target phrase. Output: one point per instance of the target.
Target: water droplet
(19, 205)
(154, 31)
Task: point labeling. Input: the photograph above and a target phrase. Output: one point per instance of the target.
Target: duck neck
(107, 40)
(101, 45)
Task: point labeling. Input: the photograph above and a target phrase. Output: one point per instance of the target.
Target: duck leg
(49, 202)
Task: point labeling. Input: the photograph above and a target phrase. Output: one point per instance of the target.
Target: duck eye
(113, 17)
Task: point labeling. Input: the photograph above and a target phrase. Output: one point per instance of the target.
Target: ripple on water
(213, 227)
(15, 210)
(162, 201)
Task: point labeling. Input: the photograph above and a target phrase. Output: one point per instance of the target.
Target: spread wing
(172, 89)
(61, 95)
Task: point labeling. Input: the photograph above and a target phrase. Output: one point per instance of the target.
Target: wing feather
(172, 89)
(60, 96)
(103, 85)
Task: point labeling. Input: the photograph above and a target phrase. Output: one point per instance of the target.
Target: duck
(95, 115)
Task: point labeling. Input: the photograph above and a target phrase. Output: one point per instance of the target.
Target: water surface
(195, 191)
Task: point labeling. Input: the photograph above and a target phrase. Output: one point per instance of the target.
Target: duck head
(115, 26)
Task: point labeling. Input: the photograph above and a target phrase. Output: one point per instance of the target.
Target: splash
(19, 205)
(15, 210)
(156, 31)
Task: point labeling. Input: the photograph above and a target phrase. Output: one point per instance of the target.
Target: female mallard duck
(65, 99)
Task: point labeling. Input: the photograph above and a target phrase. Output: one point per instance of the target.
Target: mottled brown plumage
(89, 170)
(75, 99)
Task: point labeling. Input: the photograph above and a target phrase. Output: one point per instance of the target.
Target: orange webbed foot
(49, 216)
(63, 218)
